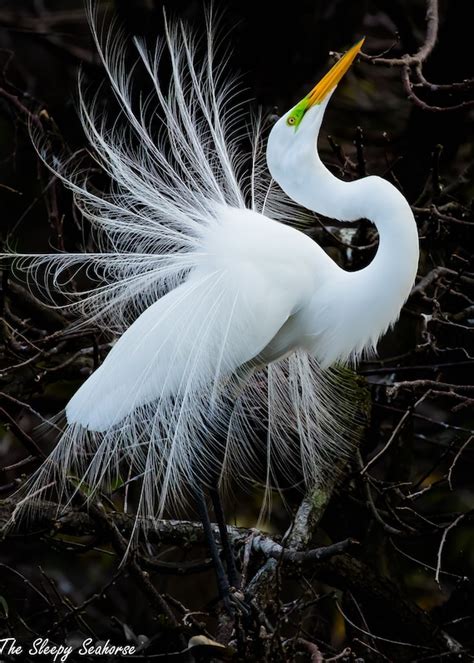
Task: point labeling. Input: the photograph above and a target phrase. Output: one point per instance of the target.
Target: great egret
(231, 317)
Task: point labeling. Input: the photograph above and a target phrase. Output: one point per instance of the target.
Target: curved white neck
(377, 200)
(369, 300)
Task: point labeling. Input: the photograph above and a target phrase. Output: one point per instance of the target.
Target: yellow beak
(334, 75)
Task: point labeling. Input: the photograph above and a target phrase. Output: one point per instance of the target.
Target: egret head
(292, 131)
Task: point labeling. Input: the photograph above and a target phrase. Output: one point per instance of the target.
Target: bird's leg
(232, 573)
(222, 581)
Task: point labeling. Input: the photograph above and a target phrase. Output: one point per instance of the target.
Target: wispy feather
(169, 232)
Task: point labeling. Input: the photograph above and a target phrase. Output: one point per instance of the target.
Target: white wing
(174, 400)
(171, 376)
(188, 342)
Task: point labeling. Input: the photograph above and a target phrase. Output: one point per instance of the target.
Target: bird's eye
(291, 120)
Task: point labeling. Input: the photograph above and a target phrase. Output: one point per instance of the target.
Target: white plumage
(231, 310)
(240, 320)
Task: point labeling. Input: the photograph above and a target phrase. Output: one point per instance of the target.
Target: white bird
(231, 317)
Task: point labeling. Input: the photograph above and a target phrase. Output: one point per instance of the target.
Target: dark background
(423, 484)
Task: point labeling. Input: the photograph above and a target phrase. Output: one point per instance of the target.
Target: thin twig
(441, 546)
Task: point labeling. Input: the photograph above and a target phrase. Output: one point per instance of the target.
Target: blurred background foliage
(412, 508)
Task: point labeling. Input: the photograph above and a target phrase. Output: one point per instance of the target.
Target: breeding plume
(231, 322)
